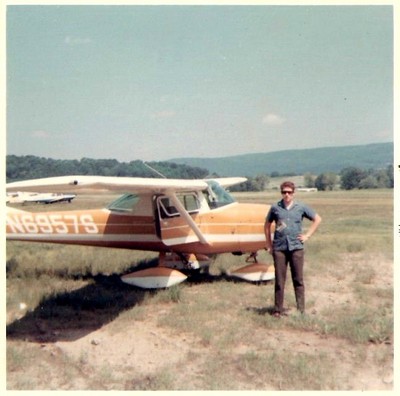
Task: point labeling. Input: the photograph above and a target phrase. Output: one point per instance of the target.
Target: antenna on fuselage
(154, 170)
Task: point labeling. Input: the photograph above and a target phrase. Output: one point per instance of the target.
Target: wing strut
(181, 209)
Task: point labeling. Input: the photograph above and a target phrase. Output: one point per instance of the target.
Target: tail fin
(10, 210)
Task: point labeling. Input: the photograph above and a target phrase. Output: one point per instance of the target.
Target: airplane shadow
(71, 315)
(206, 277)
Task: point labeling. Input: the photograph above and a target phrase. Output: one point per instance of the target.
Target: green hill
(316, 161)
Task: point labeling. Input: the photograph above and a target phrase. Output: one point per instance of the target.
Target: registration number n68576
(51, 224)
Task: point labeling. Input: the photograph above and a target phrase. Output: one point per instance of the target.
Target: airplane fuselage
(237, 227)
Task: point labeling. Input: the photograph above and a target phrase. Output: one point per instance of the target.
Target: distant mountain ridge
(316, 160)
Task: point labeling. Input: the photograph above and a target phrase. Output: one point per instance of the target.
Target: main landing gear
(167, 273)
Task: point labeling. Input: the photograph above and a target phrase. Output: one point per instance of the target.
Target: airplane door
(177, 215)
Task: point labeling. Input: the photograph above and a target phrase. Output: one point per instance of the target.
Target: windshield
(124, 203)
(217, 196)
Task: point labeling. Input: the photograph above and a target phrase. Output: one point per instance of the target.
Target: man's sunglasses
(286, 192)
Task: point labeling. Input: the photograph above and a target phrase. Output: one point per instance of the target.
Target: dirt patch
(211, 339)
(129, 358)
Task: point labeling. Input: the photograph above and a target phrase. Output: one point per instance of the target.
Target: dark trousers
(295, 259)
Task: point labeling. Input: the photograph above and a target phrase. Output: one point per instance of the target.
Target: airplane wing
(112, 183)
(116, 183)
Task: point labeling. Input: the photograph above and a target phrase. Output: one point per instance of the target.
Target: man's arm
(315, 223)
(267, 231)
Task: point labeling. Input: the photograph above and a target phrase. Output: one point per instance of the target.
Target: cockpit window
(217, 196)
(125, 203)
(166, 208)
(188, 200)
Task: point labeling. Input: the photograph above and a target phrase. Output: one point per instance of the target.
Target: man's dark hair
(288, 184)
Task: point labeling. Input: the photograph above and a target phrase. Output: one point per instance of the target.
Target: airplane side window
(166, 208)
(189, 201)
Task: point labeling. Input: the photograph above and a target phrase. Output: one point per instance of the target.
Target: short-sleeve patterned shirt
(288, 224)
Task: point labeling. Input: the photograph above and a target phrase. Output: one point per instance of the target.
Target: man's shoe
(285, 312)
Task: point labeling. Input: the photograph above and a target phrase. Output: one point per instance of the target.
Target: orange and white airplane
(183, 220)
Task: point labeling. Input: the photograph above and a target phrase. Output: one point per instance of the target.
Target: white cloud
(40, 134)
(163, 114)
(77, 40)
(273, 119)
(385, 134)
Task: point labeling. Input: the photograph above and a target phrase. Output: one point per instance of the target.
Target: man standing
(288, 243)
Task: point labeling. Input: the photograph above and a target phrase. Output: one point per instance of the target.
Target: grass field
(69, 316)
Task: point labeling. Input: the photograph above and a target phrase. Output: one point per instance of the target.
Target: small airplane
(34, 197)
(185, 221)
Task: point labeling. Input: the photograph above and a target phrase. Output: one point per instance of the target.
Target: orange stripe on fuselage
(227, 229)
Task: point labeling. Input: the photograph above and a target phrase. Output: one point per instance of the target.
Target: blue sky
(160, 82)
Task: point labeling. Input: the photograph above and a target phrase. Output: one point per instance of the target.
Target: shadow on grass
(203, 276)
(71, 315)
(262, 311)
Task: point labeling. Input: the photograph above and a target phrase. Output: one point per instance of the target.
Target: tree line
(32, 167)
(352, 178)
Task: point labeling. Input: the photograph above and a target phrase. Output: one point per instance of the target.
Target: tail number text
(52, 224)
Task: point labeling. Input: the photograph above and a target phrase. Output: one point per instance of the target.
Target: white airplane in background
(183, 220)
(34, 197)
